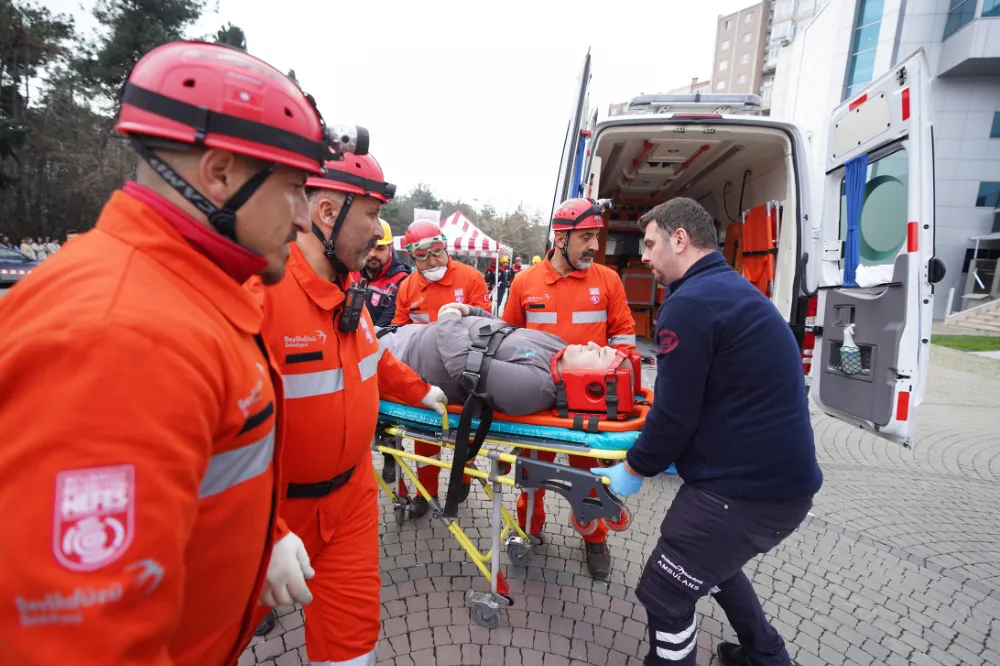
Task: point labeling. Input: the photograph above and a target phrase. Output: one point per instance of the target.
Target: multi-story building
(786, 18)
(739, 50)
(851, 42)
(696, 86)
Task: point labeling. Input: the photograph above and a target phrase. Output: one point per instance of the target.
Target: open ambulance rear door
(878, 211)
(567, 163)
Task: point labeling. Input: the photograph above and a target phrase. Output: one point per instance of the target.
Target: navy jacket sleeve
(686, 335)
(387, 314)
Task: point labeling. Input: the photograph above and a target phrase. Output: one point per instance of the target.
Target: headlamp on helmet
(607, 395)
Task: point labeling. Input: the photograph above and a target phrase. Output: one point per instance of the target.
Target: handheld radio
(354, 303)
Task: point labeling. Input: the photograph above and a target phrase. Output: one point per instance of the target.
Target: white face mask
(434, 274)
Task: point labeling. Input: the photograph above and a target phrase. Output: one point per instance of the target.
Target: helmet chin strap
(565, 253)
(330, 244)
(223, 219)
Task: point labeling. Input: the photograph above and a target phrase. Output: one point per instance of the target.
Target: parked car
(13, 267)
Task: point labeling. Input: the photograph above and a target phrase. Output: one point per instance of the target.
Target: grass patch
(968, 343)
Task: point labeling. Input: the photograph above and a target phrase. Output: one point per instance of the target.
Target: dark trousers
(501, 290)
(705, 540)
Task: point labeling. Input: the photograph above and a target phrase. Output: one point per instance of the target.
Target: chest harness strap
(479, 405)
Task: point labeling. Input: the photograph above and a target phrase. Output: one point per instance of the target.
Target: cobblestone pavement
(899, 563)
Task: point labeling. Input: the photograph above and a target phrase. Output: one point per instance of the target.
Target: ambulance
(751, 173)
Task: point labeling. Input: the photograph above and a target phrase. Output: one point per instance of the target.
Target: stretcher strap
(478, 405)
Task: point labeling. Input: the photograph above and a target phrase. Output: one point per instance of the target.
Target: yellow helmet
(504, 260)
(386, 233)
(536, 260)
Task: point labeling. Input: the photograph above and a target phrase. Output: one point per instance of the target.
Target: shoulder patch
(667, 340)
(94, 516)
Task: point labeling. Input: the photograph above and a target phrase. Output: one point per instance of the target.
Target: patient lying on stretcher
(519, 379)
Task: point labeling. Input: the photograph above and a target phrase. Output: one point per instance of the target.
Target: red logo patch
(668, 341)
(94, 516)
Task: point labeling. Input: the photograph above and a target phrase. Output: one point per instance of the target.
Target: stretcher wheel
(519, 553)
(485, 616)
(400, 509)
(585, 530)
(623, 522)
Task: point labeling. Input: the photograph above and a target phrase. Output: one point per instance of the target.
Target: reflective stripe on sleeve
(420, 318)
(621, 340)
(590, 317)
(230, 468)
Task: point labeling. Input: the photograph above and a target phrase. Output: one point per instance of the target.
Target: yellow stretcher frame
(505, 529)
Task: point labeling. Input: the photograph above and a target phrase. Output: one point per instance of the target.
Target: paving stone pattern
(899, 563)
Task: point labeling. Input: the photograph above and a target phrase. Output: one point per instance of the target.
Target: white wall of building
(809, 84)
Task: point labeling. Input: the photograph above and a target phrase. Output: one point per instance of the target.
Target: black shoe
(267, 625)
(388, 468)
(731, 654)
(463, 493)
(419, 507)
(598, 559)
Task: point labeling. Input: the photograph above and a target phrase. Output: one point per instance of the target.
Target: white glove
(287, 573)
(461, 309)
(436, 400)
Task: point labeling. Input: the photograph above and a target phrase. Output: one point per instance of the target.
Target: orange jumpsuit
(584, 306)
(136, 476)
(418, 302)
(332, 383)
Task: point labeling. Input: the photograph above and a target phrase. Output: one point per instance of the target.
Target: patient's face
(590, 356)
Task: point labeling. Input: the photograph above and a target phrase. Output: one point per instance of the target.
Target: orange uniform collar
(324, 293)
(138, 224)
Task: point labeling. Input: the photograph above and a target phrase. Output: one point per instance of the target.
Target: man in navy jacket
(730, 410)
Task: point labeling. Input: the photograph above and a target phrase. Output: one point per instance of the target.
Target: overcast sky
(471, 98)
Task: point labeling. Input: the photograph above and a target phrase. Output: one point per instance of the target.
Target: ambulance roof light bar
(697, 102)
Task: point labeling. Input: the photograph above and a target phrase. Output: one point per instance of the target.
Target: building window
(991, 8)
(723, 65)
(747, 37)
(725, 45)
(720, 85)
(727, 24)
(960, 13)
(989, 195)
(861, 65)
(742, 78)
(745, 58)
(748, 17)
(995, 130)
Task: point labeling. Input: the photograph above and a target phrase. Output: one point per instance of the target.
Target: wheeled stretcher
(510, 448)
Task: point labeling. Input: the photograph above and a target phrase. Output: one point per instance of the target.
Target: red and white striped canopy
(464, 239)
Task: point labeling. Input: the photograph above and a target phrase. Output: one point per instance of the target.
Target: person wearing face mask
(438, 280)
(334, 373)
(570, 296)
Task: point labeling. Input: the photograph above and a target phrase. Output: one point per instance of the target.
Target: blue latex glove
(622, 483)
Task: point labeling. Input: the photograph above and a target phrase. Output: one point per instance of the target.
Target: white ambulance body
(717, 150)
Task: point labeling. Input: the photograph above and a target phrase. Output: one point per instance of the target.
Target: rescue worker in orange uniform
(438, 281)
(580, 301)
(141, 519)
(333, 371)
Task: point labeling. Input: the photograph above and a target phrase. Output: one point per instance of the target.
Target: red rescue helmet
(212, 95)
(581, 213)
(421, 230)
(355, 174)
(199, 94)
